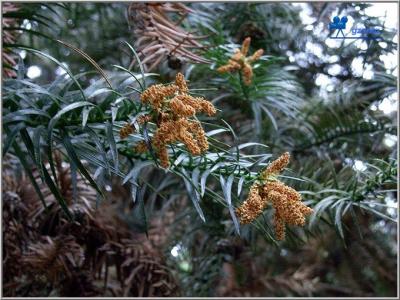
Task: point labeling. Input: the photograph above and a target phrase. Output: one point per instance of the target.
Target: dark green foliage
(337, 134)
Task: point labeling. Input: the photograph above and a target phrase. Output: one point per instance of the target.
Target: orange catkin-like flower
(246, 46)
(252, 207)
(247, 74)
(163, 156)
(279, 226)
(287, 202)
(180, 108)
(181, 83)
(126, 131)
(144, 119)
(255, 56)
(200, 135)
(141, 147)
(156, 94)
(277, 165)
(239, 62)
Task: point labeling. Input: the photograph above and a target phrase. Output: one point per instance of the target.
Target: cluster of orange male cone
(287, 202)
(239, 62)
(172, 109)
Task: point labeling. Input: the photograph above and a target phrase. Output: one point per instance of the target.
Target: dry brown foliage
(159, 38)
(96, 254)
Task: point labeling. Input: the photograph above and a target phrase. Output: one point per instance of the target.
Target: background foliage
(331, 104)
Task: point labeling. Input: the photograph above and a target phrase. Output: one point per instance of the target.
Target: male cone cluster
(287, 202)
(172, 111)
(239, 62)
